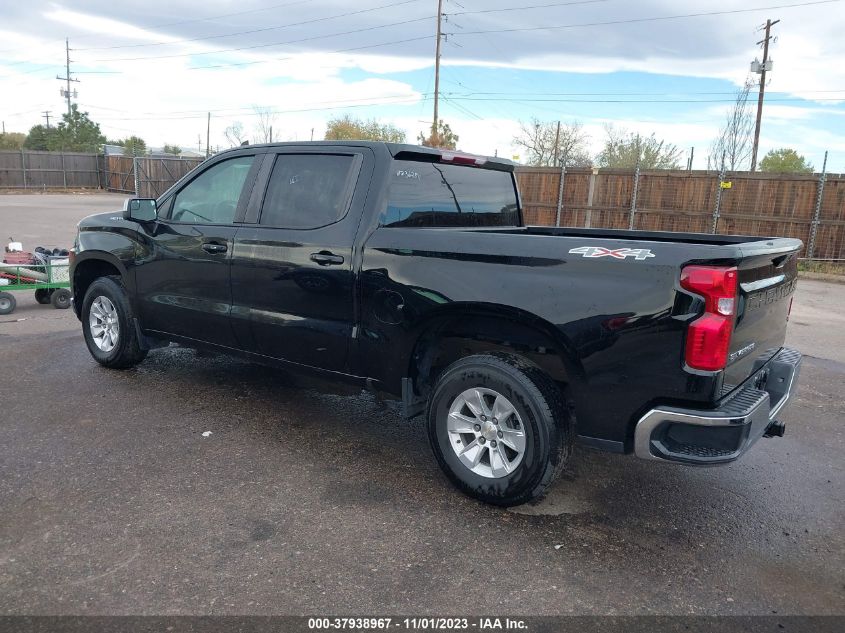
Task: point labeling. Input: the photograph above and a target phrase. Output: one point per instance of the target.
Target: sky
(156, 68)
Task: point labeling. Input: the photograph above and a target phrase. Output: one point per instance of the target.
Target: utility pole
(199, 143)
(763, 67)
(65, 92)
(208, 136)
(47, 116)
(434, 124)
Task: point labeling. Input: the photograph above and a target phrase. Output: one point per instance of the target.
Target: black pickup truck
(409, 271)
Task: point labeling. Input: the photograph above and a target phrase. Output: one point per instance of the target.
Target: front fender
(112, 243)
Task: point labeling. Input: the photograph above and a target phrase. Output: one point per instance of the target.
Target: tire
(42, 295)
(8, 303)
(107, 297)
(540, 412)
(61, 298)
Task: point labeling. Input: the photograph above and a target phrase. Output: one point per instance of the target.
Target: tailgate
(767, 276)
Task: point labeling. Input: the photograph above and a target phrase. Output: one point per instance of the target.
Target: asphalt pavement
(206, 485)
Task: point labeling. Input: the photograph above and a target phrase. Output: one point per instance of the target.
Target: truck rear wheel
(108, 325)
(499, 428)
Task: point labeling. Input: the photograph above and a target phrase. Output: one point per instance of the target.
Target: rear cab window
(427, 194)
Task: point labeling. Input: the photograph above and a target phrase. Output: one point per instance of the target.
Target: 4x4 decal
(619, 253)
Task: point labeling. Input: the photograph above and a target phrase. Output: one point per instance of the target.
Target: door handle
(213, 247)
(326, 258)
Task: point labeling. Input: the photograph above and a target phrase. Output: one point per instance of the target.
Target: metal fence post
(814, 225)
(64, 170)
(588, 217)
(718, 199)
(560, 194)
(23, 167)
(634, 197)
(137, 177)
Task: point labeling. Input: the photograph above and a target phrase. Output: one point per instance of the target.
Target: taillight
(709, 336)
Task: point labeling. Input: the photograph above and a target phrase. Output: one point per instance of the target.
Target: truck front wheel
(108, 325)
(499, 428)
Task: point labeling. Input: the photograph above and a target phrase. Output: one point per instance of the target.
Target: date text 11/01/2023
(417, 624)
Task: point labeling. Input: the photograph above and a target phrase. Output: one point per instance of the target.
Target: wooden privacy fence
(143, 176)
(49, 170)
(810, 207)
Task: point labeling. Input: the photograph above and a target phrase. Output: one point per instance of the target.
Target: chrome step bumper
(721, 435)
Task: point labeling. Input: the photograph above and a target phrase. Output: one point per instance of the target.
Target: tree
(235, 133)
(444, 138)
(134, 145)
(76, 132)
(736, 138)
(264, 126)
(40, 138)
(171, 149)
(538, 139)
(626, 150)
(785, 160)
(12, 140)
(347, 128)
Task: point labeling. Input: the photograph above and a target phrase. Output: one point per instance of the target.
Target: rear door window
(439, 194)
(307, 191)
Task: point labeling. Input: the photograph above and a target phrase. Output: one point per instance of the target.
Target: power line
(649, 19)
(524, 8)
(480, 32)
(194, 20)
(255, 46)
(625, 93)
(341, 105)
(401, 100)
(341, 50)
(534, 100)
(259, 30)
(250, 111)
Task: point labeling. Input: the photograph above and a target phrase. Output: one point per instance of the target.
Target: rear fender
(458, 330)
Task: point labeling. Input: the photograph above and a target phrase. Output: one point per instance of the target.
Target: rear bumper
(721, 435)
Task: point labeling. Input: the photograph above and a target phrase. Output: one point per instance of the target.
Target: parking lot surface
(116, 499)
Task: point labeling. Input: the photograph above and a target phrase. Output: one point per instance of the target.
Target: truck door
(183, 273)
(293, 281)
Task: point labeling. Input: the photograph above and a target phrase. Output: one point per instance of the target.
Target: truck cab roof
(406, 151)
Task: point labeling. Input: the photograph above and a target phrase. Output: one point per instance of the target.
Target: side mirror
(140, 209)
